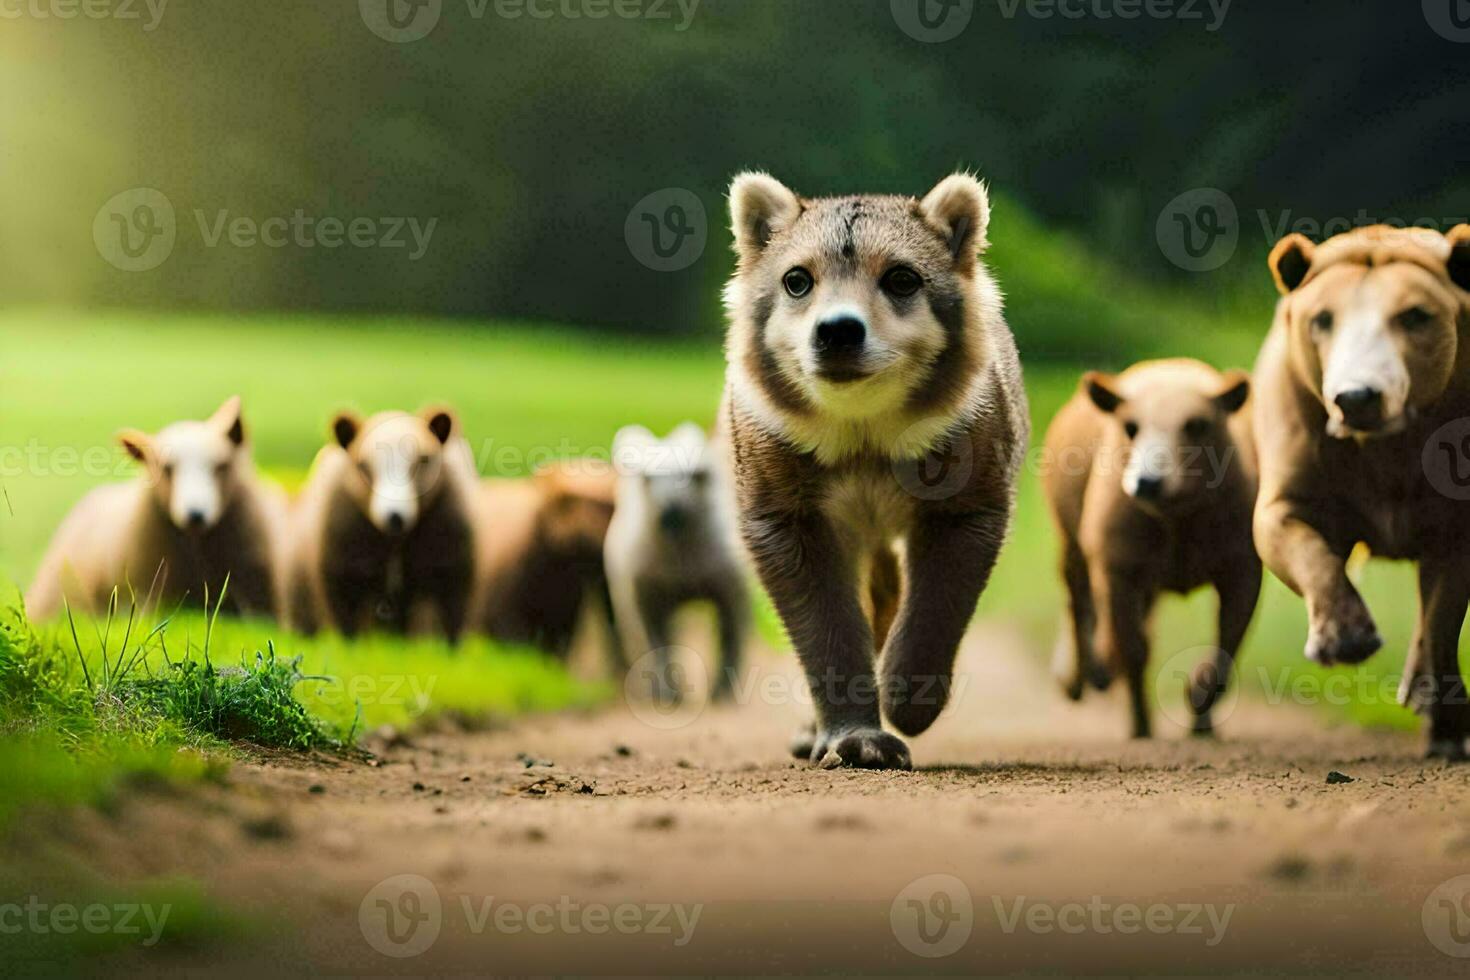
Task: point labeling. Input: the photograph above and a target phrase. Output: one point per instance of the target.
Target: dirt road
(1060, 846)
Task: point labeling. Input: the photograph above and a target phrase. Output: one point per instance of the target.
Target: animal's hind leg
(1074, 664)
(732, 606)
(1238, 597)
(885, 586)
(1444, 590)
(1123, 603)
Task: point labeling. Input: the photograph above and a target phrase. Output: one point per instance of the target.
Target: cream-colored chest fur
(870, 509)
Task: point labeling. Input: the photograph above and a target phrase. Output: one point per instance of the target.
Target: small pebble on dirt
(1334, 778)
(841, 821)
(464, 779)
(657, 821)
(622, 750)
(418, 787)
(1290, 867)
(316, 789)
(271, 826)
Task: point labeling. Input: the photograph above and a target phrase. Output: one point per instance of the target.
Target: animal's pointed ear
(227, 419)
(1099, 388)
(1290, 261)
(138, 444)
(760, 208)
(959, 209)
(630, 447)
(1458, 264)
(1234, 393)
(345, 427)
(441, 421)
(688, 442)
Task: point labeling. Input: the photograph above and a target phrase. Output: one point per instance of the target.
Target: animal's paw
(1449, 749)
(1416, 692)
(861, 748)
(1344, 635)
(1098, 674)
(912, 703)
(1205, 687)
(804, 742)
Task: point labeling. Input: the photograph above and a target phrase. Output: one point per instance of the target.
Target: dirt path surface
(1062, 847)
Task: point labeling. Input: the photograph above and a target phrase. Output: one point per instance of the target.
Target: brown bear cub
(1362, 396)
(1151, 476)
(196, 517)
(540, 546)
(877, 425)
(385, 527)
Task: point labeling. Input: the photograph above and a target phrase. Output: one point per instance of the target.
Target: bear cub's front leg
(811, 579)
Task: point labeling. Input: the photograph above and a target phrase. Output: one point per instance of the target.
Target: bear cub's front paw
(860, 748)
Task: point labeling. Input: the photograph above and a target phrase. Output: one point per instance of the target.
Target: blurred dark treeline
(531, 139)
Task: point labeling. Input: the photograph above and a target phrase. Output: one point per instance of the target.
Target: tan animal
(1362, 392)
(1151, 477)
(384, 527)
(196, 516)
(540, 557)
(874, 408)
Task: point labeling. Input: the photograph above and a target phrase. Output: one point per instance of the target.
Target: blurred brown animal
(195, 516)
(384, 529)
(540, 556)
(1151, 477)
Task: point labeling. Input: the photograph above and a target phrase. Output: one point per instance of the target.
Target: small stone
(1334, 778)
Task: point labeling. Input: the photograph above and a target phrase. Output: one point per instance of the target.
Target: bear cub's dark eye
(901, 281)
(1197, 428)
(1130, 429)
(1322, 323)
(1415, 317)
(798, 282)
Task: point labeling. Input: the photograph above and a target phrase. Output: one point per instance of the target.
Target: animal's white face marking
(670, 483)
(400, 461)
(196, 461)
(193, 466)
(1174, 418)
(1154, 462)
(1363, 353)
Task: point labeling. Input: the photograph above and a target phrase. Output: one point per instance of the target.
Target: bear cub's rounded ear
(1099, 388)
(441, 421)
(1458, 264)
(138, 444)
(760, 207)
(1234, 392)
(1290, 261)
(959, 209)
(227, 419)
(345, 427)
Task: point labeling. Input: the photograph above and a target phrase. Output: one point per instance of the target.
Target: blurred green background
(526, 150)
